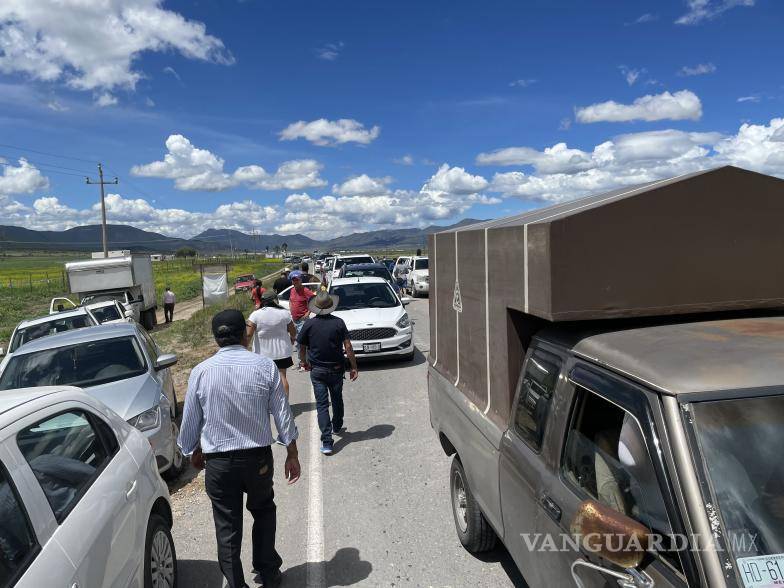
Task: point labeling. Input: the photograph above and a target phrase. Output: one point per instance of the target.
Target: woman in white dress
(272, 332)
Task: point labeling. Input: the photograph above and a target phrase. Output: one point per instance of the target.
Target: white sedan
(81, 501)
(377, 321)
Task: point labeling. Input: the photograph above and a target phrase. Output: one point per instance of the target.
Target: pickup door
(523, 471)
(603, 443)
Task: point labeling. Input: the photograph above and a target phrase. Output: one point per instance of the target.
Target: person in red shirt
(256, 293)
(298, 301)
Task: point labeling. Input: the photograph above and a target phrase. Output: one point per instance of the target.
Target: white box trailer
(128, 279)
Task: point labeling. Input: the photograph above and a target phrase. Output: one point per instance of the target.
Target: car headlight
(147, 420)
(403, 321)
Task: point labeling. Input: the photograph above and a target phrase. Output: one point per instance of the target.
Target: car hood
(371, 317)
(128, 397)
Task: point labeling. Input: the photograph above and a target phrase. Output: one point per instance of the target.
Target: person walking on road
(322, 342)
(256, 293)
(226, 426)
(298, 300)
(168, 305)
(273, 333)
(282, 282)
(307, 277)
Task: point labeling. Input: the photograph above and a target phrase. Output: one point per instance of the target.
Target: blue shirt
(229, 401)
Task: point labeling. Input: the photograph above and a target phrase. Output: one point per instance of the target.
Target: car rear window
(421, 264)
(26, 334)
(349, 260)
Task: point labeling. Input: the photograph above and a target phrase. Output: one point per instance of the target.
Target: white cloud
(643, 18)
(94, 45)
(631, 75)
(407, 159)
(455, 180)
(325, 132)
(330, 51)
(700, 69)
(753, 98)
(678, 106)
(561, 173)
(522, 83)
(22, 179)
(702, 10)
(565, 124)
(105, 99)
(362, 185)
(192, 168)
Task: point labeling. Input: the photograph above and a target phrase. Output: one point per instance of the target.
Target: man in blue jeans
(322, 341)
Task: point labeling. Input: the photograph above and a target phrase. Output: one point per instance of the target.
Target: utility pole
(101, 183)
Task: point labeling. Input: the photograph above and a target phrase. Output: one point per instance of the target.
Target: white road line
(316, 567)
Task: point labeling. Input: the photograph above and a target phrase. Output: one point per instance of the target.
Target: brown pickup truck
(608, 375)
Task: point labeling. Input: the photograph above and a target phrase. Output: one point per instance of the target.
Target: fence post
(30, 278)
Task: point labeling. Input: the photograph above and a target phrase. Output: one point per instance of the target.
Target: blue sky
(331, 117)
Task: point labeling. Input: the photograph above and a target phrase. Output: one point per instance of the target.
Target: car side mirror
(615, 538)
(406, 300)
(165, 361)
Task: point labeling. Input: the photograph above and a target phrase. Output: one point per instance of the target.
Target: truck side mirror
(614, 537)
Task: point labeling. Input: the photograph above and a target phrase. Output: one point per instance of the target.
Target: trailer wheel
(473, 530)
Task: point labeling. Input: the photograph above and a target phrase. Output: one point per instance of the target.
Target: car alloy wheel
(161, 561)
(459, 501)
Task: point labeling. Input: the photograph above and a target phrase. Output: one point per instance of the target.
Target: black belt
(239, 452)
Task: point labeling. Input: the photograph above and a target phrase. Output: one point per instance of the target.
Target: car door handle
(551, 508)
(131, 490)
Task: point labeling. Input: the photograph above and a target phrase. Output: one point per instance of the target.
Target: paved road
(376, 513)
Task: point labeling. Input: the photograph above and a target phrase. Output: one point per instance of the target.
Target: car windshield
(372, 295)
(420, 264)
(85, 364)
(106, 313)
(375, 272)
(339, 263)
(26, 334)
(740, 442)
(247, 278)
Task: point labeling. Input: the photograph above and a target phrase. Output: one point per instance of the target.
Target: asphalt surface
(376, 513)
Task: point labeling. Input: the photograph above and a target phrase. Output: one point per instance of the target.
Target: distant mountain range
(88, 238)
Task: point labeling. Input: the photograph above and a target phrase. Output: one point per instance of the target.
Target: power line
(46, 164)
(17, 148)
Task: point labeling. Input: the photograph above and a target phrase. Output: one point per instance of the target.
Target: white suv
(419, 276)
(351, 258)
(81, 501)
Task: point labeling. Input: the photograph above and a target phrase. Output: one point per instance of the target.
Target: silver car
(120, 365)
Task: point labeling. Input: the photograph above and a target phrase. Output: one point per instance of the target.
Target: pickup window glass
(17, 544)
(536, 388)
(66, 455)
(606, 456)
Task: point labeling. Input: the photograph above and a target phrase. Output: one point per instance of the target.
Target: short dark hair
(304, 266)
(228, 327)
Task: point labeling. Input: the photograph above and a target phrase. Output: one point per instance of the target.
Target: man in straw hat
(322, 341)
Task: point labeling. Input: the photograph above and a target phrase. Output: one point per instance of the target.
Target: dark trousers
(228, 477)
(328, 384)
(168, 311)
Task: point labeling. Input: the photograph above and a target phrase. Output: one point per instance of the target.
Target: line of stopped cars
(87, 429)
(371, 302)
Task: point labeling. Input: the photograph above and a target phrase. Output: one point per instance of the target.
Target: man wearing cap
(283, 281)
(322, 342)
(298, 300)
(226, 423)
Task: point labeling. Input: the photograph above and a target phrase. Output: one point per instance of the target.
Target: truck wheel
(148, 320)
(474, 531)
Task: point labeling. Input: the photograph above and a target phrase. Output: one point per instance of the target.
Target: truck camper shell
(700, 243)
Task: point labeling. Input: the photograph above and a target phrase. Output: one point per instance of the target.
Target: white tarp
(215, 287)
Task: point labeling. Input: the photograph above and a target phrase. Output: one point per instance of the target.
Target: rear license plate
(371, 347)
(765, 571)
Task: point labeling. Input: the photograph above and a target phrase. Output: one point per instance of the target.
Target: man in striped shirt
(226, 423)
